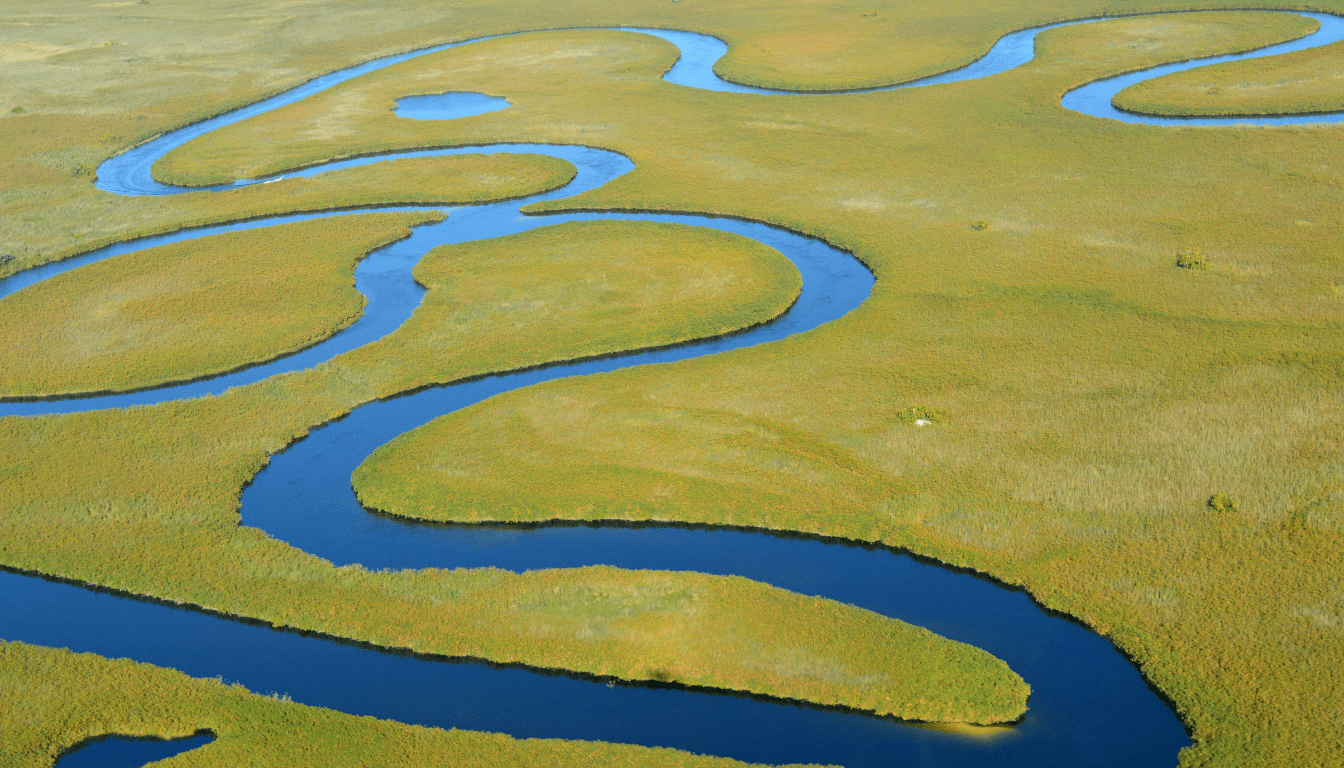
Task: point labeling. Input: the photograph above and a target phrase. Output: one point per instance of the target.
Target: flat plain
(1088, 397)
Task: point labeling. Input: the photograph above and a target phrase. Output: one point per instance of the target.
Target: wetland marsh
(632, 445)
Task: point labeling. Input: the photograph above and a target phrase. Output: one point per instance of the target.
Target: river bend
(1089, 705)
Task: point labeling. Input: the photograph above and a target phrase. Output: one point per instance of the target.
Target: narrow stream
(1089, 705)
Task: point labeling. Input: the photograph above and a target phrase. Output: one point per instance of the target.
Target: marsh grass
(559, 292)
(191, 309)
(1302, 82)
(1099, 394)
(55, 699)
(91, 221)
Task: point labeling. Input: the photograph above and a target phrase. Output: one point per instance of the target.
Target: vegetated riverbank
(56, 699)
(1088, 396)
(597, 287)
(568, 291)
(1083, 478)
(1298, 83)
(192, 309)
(61, 120)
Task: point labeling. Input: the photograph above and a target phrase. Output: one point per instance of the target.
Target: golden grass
(1302, 82)
(1094, 394)
(55, 699)
(190, 309)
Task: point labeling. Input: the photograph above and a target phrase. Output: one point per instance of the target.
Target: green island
(1035, 390)
(1302, 82)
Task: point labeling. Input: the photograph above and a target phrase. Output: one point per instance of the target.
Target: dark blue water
(449, 106)
(120, 752)
(1089, 705)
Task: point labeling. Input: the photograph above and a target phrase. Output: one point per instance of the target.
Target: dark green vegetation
(1303, 82)
(190, 309)
(1095, 396)
(56, 699)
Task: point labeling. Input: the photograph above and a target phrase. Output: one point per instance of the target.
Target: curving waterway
(1089, 705)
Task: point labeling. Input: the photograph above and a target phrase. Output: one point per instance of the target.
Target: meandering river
(1089, 705)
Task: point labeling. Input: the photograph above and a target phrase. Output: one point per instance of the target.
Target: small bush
(1191, 258)
(980, 226)
(1221, 502)
(109, 138)
(18, 111)
(83, 169)
(916, 414)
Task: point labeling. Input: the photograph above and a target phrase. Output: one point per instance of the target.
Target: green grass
(55, 699)
(190, 309)
(1094, 395)
(1302, 82)
(585, 289)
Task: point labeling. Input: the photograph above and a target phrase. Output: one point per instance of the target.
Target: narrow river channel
(1089, 705)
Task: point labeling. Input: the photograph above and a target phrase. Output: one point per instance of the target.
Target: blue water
(449, 106)
(1095, 98)
(120, 752)
(1089, 706)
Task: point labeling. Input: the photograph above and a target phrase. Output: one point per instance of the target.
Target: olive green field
(39, 721)
(1151, 449)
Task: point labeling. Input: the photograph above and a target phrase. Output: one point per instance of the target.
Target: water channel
(1089, 705)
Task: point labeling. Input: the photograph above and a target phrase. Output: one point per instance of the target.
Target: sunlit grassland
(1301, 82)
(94, 79)
(55, 699)
(1094, 396)
(190, 309)
(47, 221)
(587, 288)
(156, 519)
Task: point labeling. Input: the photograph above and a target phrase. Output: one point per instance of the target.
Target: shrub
(1221, 502)
(921, 415)
(1190, 258)
(83, 169)
(980, 226)
(18, 110)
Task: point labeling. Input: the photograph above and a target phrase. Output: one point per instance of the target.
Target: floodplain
(1035, 390)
